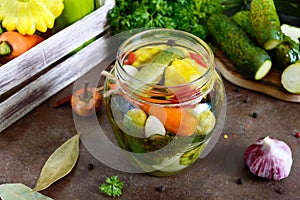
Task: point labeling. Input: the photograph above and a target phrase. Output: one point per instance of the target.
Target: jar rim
(180, 92)
(209, 62)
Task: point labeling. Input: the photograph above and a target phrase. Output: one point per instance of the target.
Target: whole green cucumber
(265, 23)
(153, 72)
(285, 54)
(242, 18)
(250, 60)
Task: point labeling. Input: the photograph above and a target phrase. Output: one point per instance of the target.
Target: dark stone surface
(26, 145)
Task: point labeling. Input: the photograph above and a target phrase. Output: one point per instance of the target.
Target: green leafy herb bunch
(186, 15)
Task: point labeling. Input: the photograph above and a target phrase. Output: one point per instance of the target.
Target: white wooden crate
(44, 70)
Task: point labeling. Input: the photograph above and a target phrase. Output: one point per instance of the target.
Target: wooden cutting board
(269, 85)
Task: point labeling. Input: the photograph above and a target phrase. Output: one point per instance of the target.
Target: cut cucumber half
(290, 78)
(263, 70)
(271, 44)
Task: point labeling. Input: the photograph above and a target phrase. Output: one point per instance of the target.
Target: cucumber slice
(206, 122)
(192, 155)
(263, 70)
(134, 122)
(174, 167)
(290, 78)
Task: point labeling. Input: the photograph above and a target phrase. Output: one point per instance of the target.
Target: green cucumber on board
(265, 23)
(283, 55)
(250, 60)
(242, 18)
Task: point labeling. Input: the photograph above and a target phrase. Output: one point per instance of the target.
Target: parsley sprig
(187, 15)
(113, 186)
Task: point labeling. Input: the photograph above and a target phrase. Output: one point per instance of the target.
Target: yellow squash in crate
(28, 16)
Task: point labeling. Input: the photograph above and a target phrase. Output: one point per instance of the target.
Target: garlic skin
(269, 158)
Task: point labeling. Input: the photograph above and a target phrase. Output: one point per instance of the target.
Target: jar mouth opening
(161, 36)
(179, 39)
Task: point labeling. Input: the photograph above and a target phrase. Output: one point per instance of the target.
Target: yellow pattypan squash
(145, 54)
(27, 16)
(182, 72)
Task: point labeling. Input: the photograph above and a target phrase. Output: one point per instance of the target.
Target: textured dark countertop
(27, 144)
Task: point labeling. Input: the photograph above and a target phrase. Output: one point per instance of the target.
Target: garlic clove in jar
(130, 69)
(269, 158)
(153, 126)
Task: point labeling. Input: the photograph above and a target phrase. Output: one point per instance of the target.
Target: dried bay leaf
(59, 164)
(19, 191)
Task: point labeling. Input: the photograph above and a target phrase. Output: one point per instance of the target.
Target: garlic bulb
(269, 158)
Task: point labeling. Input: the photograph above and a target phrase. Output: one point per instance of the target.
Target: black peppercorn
(254, 115)
(239, 181)
(279, 190)
(171, 43)
(237, 89)
(90, 166)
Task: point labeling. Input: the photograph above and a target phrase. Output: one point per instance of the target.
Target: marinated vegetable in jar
(166, 100)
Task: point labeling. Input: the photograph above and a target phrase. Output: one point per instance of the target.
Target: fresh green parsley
(113, 186)
(186, 15)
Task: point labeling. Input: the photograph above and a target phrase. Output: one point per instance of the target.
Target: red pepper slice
(198, 59)
(63, 101)
(131, 58)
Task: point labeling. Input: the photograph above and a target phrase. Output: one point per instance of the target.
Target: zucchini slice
(290, 78)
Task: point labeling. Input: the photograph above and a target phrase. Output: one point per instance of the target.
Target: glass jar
(165, 100)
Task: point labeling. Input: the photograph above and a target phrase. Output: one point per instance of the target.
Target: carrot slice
(176, 120)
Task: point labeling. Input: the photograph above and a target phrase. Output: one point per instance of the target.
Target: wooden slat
(51, 50)
(99, 54)
(44, 70)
